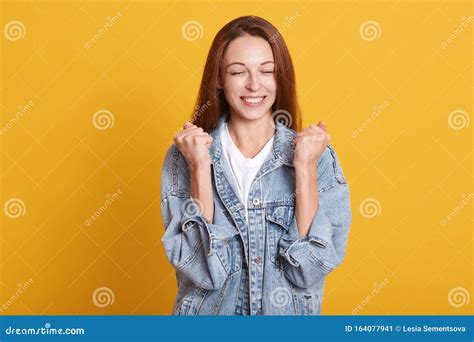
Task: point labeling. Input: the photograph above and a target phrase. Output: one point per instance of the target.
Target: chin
(252, 113)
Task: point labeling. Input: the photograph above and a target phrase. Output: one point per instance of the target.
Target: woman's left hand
(310, 144)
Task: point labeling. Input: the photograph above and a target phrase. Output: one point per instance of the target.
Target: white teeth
(253, 99)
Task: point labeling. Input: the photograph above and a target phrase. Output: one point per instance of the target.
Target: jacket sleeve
(194, 247)
(309, 259)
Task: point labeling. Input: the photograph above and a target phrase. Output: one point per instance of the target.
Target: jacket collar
(283, 144)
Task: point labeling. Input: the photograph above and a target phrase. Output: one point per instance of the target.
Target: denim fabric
(231, 267)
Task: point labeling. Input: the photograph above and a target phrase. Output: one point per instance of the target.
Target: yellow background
(407, 156)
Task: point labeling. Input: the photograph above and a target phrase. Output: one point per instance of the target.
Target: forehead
(248, 50)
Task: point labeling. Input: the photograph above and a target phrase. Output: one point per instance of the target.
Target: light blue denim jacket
(231, 267)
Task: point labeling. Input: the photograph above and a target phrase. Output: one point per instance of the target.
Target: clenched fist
(310, 144)
(194, 144)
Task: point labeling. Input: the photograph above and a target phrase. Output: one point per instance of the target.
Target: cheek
(231, 93)
(270, 85)
(233, 87)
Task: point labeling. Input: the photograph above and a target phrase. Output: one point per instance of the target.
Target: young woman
(256, 210)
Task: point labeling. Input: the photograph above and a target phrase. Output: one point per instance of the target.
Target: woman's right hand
(194, 144)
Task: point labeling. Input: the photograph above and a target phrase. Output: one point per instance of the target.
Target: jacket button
(258, 259)
(256, 201)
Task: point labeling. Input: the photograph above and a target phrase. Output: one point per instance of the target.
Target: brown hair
(211, 102)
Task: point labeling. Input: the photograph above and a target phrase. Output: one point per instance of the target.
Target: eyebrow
(243, 64)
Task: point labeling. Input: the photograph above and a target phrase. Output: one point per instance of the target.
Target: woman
(256, 210)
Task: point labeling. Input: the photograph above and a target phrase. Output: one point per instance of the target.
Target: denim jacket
(231, 267)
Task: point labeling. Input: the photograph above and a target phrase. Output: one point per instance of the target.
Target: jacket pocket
(278, 222)
(231, 256)
(191, 303)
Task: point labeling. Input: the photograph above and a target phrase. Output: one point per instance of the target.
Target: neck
(251, 135)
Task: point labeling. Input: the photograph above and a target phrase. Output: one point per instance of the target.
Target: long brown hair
(211, 102)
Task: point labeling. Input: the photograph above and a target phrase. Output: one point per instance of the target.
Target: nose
(253, 83)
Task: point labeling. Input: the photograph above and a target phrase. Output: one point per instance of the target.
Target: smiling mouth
(252, 99)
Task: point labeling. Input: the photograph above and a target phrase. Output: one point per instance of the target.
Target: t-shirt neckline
(248, 161)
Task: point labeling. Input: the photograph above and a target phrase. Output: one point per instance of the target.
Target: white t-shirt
(244, 169)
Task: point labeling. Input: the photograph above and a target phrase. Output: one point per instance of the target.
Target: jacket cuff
(198, 222)
(316, 248)
(213, 236)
